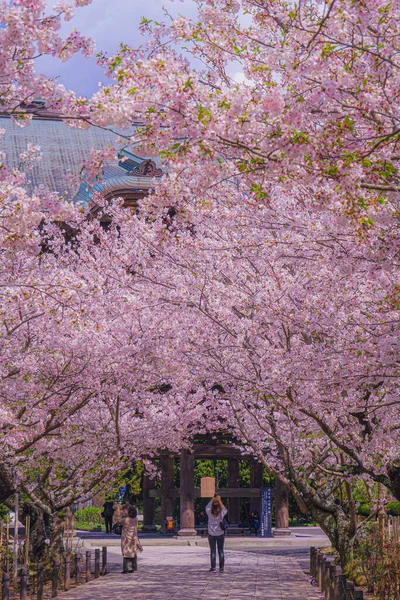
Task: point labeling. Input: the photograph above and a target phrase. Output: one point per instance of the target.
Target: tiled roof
(112, 184)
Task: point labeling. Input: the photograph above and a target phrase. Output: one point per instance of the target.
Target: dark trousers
(217, 541)
(130, 564)
(108, 521)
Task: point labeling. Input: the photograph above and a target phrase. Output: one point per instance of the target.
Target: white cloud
(109, 23)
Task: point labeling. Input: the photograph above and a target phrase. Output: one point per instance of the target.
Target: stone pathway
(172, 573)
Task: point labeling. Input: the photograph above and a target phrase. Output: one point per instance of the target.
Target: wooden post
(5, 587)
(7, 540)
(256, 481)
(149, 505)
(340, 591)
(23, 586)
(88, 565)
(281, 510)
(16, 516)
(332, 575)
(322, 573)
(327, 580)
(54, 583)
(78, 568)
(167, 487)
(396, 529)
(40, 581)
(313, 558)
(187, 494)
(381, 525)
(319, 569)
(97, 563)
(67, 579)
(27, 538)
(335, 592)
(104, 560)
(317, 560)
(234, 482)
(349, 590)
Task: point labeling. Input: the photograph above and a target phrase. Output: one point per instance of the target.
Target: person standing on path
(130, 544)
(216, 512)
(107, 514)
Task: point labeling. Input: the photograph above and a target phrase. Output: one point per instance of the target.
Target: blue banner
(266, 513)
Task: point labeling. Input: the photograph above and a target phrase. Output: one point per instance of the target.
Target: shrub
(393, 508)
(364, 509)
(380, 562)
(89, 515)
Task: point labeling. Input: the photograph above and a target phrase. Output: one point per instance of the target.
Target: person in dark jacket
(107, 514)
(255, 521)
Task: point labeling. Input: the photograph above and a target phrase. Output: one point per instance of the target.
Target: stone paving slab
(182, 573)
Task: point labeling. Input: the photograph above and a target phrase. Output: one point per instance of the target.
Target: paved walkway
(181, 573)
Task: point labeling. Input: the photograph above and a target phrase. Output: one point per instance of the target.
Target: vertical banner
(266, 513)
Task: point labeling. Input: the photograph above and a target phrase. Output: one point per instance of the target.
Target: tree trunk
(339, 529)
(38, 546)
(56, 535)
(394, 475)
(38, 540)
(7, 487)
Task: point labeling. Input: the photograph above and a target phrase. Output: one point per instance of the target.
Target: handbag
(224, 524)
(117, 529)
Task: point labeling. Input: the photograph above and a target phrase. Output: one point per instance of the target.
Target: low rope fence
(41, 583)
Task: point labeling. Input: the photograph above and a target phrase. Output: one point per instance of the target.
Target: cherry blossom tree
(48, 374)
(314, 119)
(287, 312)
(29, 31)
(265, 263)
(317, 104)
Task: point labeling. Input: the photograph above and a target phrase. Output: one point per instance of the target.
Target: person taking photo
(216, 513)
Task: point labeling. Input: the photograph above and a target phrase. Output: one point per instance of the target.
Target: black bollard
(54, 583)
(40, 581)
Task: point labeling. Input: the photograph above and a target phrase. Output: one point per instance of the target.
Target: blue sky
(109, 22)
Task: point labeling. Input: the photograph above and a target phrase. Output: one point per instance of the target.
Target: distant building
(65, 149)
